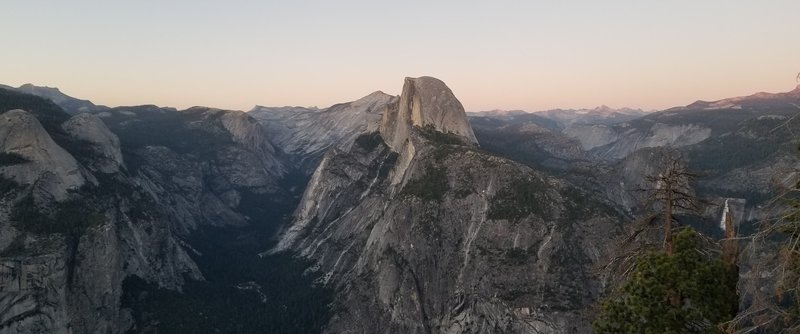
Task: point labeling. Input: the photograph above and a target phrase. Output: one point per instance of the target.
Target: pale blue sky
(529, 55)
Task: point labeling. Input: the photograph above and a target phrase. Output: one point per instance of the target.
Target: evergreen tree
(704, 285)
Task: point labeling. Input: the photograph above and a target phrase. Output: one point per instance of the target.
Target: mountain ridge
(760, 99)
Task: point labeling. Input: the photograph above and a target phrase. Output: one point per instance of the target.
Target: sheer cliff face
(52, 169)
(425, 101)
(71, 230)
(421, 232)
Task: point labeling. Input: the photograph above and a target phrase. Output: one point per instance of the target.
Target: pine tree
(704, 283)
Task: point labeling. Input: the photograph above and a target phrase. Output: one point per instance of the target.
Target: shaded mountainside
(744, 152)
(741, 152)
(98, 211)
(530, 139)
(434, 235)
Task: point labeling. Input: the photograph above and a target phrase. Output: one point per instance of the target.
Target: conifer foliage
(704, 284)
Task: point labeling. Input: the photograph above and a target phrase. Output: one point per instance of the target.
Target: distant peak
(371, 101)
(377, 93)
(375, 96)
(30, 86)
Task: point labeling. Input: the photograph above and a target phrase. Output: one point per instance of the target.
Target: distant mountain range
(758, 100)
(565, 117)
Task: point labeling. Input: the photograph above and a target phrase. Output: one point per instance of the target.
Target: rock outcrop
(251, 148)
(425, 102)
(617, 142)
(51, 168)
(91, 129)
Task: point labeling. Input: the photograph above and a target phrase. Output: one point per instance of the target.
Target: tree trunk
(668, 247)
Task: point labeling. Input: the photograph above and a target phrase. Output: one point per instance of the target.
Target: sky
(528, 55)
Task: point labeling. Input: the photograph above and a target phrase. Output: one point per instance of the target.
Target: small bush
(521, 198)
(16, 248)
(369, 141)
(429, 132)
(430, 186)
(28, 217)
(7, 185)
(70, 218)
(11, 158)
(515, 256)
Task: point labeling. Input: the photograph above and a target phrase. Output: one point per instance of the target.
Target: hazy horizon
(498, 55)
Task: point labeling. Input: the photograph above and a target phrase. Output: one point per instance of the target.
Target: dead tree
(666, 192)
(671, 191)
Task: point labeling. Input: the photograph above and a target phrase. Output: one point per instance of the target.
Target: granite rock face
(60, 284)
(91, 129)
(49, 167)
(425, 101)
(434, 236)
(305, 134)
